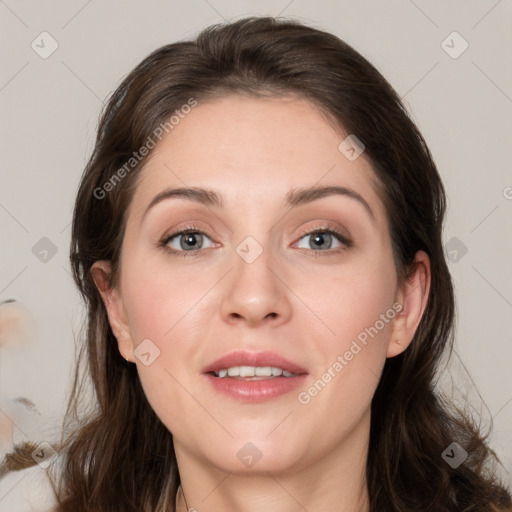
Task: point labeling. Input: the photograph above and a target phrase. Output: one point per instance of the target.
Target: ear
(101, 272)
(412, 296)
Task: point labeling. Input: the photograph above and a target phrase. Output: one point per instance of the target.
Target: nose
(256, 293)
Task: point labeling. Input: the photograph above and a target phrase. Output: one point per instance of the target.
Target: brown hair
(122, 457)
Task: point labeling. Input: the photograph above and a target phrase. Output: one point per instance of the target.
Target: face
(303, 283)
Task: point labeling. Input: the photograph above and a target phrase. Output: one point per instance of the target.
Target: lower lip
(255, 390)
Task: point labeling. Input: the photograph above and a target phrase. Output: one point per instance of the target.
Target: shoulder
(28, 490)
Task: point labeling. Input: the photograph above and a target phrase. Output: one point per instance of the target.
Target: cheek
(162, 306)
(159, 300)
(358, 299)
(357, 306)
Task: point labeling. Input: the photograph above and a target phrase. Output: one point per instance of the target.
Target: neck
(336, 482)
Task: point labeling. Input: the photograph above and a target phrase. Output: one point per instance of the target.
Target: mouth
(252, 373)
(254, 377)
(244, 364)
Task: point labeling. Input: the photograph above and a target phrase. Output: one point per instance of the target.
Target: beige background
(50, 109)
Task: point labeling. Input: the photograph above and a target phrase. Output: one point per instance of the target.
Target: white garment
(28, 490)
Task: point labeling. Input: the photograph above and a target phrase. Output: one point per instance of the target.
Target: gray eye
(321, 240)
(187, 241)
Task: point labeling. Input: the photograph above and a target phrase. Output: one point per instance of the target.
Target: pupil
(189, 239)
(319, 238)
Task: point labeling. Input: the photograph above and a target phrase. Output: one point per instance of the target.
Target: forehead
(256, 149)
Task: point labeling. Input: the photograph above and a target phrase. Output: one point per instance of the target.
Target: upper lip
(244, 358)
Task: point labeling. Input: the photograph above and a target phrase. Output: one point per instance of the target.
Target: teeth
(253, 371)
(246, 371)
(263, 371)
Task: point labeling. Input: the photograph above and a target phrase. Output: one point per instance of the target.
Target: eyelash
(345, 242)
(317, 229)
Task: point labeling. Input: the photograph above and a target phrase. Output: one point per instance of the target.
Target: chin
(248, 455)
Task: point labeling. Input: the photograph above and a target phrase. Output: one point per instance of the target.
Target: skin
(308, 309)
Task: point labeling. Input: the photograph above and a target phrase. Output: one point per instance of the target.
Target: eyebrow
(294, 198)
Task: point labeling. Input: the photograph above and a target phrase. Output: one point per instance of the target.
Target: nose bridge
(254, 291)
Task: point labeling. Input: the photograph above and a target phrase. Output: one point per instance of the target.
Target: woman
(257, 236)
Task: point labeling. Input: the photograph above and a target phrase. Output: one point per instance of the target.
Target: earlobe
(101, 272)
(413, 296)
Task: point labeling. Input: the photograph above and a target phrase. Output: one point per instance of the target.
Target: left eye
(323, 240)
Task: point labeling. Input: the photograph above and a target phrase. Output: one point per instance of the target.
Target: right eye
(187, 240)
